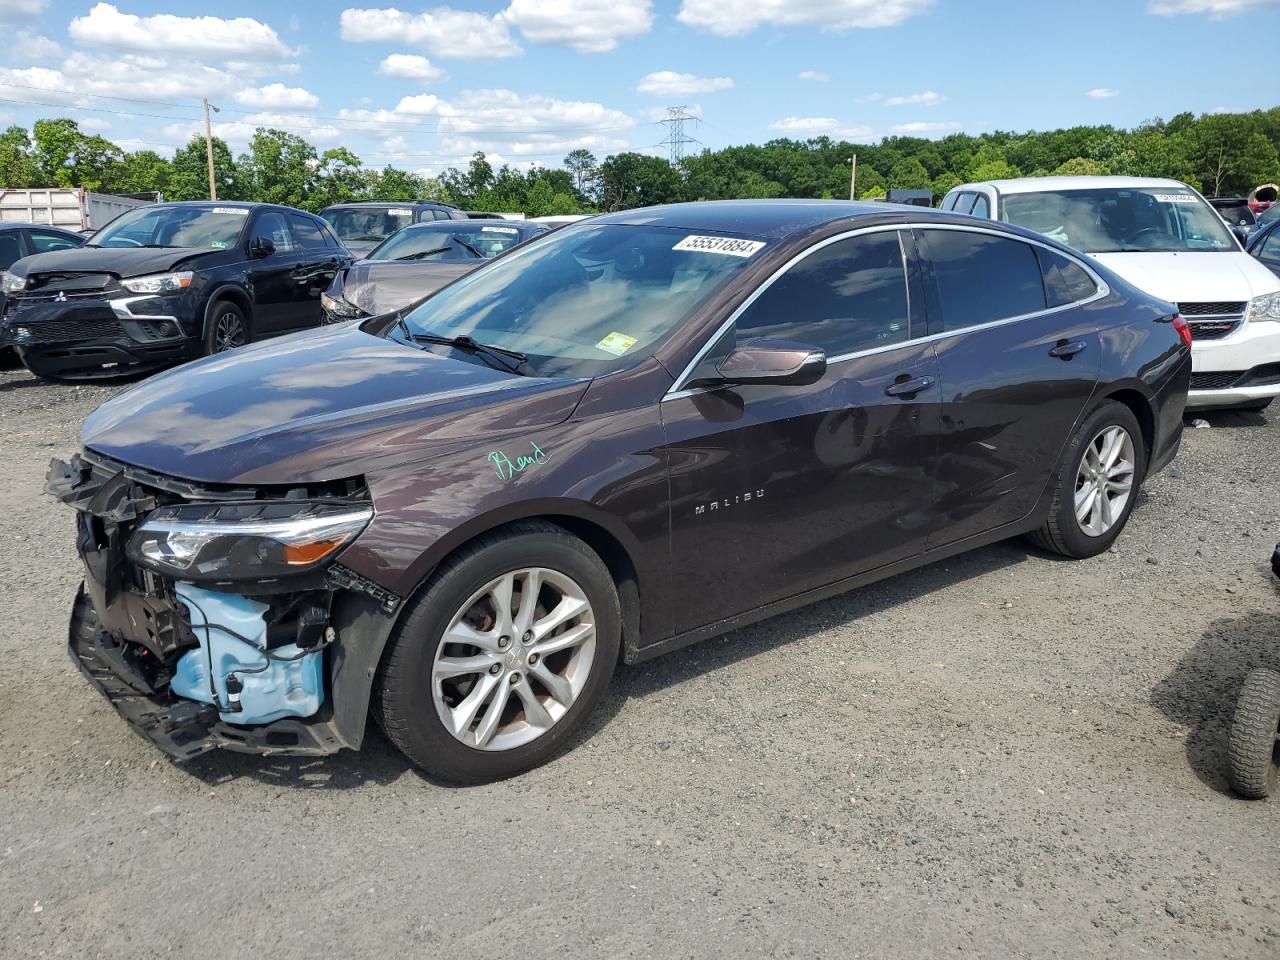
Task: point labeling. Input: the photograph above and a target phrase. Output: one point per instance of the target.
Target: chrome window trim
(677, 390)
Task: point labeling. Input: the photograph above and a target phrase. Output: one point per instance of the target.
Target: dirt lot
(1001, 755)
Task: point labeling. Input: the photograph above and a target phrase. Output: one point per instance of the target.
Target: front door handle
(909, 387)
(1066, 349)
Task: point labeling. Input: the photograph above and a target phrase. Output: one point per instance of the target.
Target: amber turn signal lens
(302, 554)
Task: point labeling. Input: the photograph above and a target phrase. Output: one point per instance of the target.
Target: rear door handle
(1066, 349)
(908, 388)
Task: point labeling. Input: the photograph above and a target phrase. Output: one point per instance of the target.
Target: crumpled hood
(380, 286)
(318, 405)
(124, 262)
(1193, 277)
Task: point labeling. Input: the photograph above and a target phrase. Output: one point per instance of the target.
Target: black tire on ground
(1254, 769)
(1061, 532)
(403, 696)
(224, 318)
(1256, 407)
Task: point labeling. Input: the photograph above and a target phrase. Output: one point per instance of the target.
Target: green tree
(339, 176)
(18, 166)
(65, 156)
(190, 176)
(143, 171)
(637, 180)
(583, 168)
(909, 174)
(1081, 167)
(280, 168)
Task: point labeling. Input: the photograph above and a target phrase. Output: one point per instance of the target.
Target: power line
(676, 140)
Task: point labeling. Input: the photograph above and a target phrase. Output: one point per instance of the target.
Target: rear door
(1018, 365)
(317, 265)
(779, 489)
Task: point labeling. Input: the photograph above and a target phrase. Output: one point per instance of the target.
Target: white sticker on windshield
(729, 246)
(400, 213)
(235, 211)
(1175, 198)
(499, 230)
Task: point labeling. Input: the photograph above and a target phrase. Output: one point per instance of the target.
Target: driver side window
(271, 224)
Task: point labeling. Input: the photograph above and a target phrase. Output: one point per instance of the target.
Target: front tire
(1254, 769)
(500, 658)
(227, 329)
(1096, 484)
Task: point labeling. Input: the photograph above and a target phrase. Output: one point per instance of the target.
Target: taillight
(1184, 331)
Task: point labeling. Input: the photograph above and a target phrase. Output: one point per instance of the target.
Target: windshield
(213, 228)
(584, 300)
(368, 224)
(449, 240)
(1112, 220)
(1269, 214)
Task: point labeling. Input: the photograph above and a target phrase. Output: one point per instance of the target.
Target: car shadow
(1225, 419)
(1201, 692)
(379, 762)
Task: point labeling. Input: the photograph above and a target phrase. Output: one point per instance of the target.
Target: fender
(227, 291)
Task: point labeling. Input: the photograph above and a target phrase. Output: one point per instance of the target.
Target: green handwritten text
(507, 468)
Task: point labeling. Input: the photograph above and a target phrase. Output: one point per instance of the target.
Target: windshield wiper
(500, 355)
(424, 253)
(458, 240)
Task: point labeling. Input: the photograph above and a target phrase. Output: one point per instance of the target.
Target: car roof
(391, 203)
(770, 219)
(23, 224)
(469, 224)
(1040, 184)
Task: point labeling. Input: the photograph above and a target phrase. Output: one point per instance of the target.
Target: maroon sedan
(630, 435)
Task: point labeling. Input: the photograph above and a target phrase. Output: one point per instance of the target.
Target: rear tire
(1063, 532)
(227, 328)
(1254, 769)
(424, 681)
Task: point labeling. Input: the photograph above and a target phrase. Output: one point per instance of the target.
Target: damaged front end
(217, 616)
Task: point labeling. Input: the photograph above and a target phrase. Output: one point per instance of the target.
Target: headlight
(159, 283)
(339, 307)
(245, 541)
(1265, 307)
(13, 283)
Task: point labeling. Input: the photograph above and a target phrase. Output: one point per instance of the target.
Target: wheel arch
(1140, 404)
(228, 292)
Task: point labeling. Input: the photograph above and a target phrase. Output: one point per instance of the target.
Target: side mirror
(1242, 234)
(769, 361)
(260, 247)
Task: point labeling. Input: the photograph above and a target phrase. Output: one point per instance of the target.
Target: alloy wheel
(514, 659)
(1104, 481)
(229, 333)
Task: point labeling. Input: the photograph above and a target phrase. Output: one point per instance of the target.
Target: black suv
(362, 226)
(168, 282)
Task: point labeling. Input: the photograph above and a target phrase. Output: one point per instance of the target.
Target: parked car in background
(609, 443)
(416, 262)
(362, 226)
(18, 240)
(1264, 245)
(1235, 211)
(1163, 237)
(168, 282)
(556, 221)
(1263, 198)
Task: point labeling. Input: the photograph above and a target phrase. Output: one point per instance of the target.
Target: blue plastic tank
(272, 688)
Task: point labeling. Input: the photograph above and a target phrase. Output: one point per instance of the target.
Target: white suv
(1162, 237)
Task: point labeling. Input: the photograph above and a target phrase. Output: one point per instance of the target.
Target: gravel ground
(1000, 755)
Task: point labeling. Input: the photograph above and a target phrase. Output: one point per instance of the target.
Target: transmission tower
(676, 140)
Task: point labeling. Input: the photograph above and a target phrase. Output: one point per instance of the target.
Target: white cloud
(923, 128)
(588, 26)
(732, 19)
(238, 133)
(276, 96)
(447, 33)
(927, 99)
(128, 75)
(1217, 9)
(1101, 93)
(21, 9)
(806, 127)
(519, 126)
(33, 46)
(377, 117)
(410, 65)
(668, 83)
(106, 26)
(92, 124)
(818, 76)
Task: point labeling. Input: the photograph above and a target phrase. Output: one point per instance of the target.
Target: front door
(779, 489)
(1019, 362)
(273, 278)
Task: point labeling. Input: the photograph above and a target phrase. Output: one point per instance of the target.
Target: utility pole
(853, 177)
(208, 148)
(676, 140)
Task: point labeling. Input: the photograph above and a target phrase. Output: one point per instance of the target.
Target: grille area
(1215, 380)
(1211, 329)
(1214, 308)
(63, 331)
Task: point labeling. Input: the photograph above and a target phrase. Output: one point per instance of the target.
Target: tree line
(1221, 154)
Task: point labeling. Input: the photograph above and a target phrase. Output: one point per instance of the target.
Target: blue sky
(422, 86)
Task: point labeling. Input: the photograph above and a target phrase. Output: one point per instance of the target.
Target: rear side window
(1065, 281)
(982, 277)
(963, 203)
(851, 295)
(981, 208)
(306, 232)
